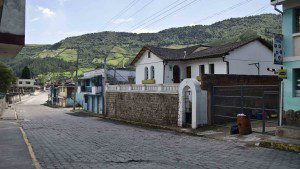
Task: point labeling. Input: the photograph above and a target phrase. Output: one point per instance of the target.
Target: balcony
(12, 27)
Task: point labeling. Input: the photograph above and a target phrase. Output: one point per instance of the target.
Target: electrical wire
(132, 15)
(124, 10)
(164, 17)
(225, 10)
(155, 14)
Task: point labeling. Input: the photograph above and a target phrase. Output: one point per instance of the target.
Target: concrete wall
(13, 17)
(153, 108)
(254, 52)
(290, 100)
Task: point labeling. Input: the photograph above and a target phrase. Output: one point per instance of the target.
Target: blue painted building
(291, 47)
(90, 91)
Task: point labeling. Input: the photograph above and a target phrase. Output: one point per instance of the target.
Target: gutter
(227, 64)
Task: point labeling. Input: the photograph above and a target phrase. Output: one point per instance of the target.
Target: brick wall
(154, 108)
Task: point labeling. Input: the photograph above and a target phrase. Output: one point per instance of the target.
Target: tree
(6, 78)
(25, 73)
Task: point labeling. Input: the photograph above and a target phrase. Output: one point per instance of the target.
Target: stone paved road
(61, 140)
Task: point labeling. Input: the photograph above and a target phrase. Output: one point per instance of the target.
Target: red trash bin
(244, 124)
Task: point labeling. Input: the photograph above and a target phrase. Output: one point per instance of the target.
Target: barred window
(297, 20)
(146, 73)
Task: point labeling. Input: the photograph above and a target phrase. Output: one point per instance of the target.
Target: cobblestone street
(61, 140)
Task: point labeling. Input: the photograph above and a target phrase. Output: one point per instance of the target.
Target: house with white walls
(155, 65)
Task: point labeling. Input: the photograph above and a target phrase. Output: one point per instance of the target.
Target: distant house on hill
(156, 65)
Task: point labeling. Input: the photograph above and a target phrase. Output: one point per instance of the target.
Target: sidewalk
(13, 149)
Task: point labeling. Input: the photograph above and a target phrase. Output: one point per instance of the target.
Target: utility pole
(104, 84)
(76, 82)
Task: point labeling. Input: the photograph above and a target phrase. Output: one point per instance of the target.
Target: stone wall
(153, 108)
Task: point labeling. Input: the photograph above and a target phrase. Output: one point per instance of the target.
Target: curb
(280, 146)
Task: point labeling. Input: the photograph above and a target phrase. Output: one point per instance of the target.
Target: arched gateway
(192, 104)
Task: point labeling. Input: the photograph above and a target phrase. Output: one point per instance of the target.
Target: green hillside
(121, 47)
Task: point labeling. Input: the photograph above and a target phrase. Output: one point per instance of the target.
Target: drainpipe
(278, 10)
(227, 64)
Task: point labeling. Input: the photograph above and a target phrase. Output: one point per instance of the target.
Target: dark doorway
(176, 74)
(188, 72)
(188, 108)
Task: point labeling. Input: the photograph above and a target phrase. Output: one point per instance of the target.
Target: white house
(156, 65)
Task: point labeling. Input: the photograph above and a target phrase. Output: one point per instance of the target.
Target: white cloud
(121, 21)
(46, 11)
(34, 19)
(141, 30)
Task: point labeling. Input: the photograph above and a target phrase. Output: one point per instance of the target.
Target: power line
(225, 10)
(154, 15)
(132, 3)
(147, 4)
(194, 1)
(259, 10)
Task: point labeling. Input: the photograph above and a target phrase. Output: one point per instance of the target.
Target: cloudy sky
(49, 21)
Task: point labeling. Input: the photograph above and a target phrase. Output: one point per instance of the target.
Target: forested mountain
(121, 47)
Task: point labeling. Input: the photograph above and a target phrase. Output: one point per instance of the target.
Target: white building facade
(161, 65)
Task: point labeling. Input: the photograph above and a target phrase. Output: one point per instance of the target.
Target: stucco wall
(239, 59)
(290, 101)
(153, 108)
(143, 62)
(2, 105)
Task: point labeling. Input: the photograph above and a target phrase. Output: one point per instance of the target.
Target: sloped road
(61, 140)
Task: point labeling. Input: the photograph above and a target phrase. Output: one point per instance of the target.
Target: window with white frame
(152, 72)
(149, 54)
(146, 74)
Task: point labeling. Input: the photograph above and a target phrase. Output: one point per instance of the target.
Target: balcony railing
(160, 88)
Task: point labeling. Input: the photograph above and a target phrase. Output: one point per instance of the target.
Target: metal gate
(259, 102)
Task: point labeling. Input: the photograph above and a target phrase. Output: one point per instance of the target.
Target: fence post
(263, 115)
(242, 100)
(281, 102)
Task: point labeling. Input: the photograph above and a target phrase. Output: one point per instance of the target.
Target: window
(297, 20)
(296, 82)
(201, 69)
(146, 73)
(87, 82)
(188, 72)
(20, 82)
(27, 82)
(152, 72)
(211, 68)
(149, 54)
